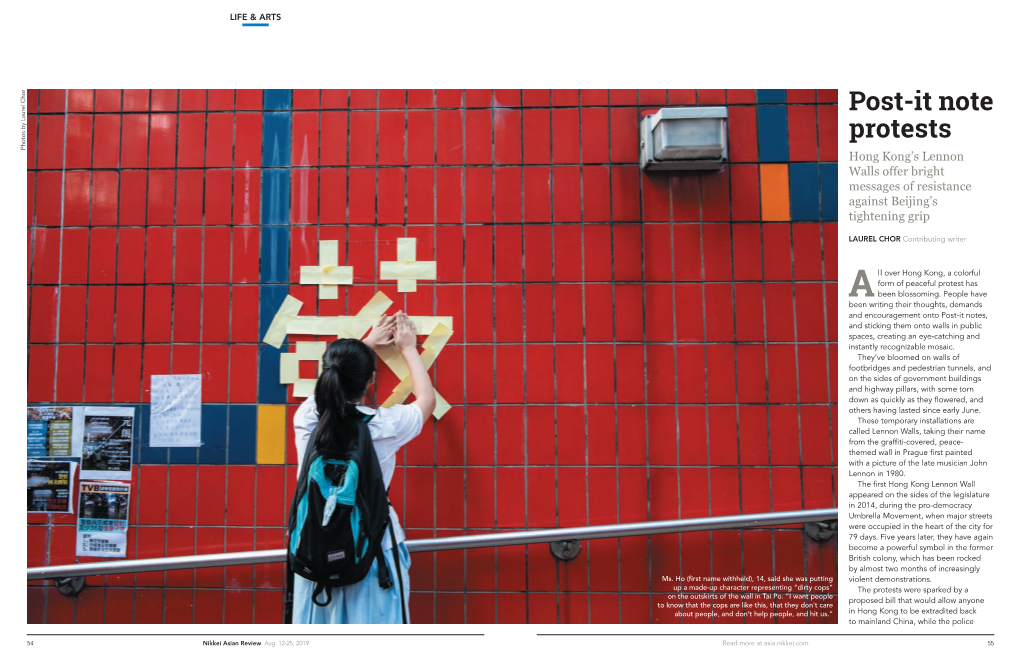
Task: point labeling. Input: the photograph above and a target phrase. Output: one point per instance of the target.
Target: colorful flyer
(108, 435)
(103, 519)
(176, 415)
(54, 431)
(50, 486)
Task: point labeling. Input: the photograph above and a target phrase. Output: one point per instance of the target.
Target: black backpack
(339, 516)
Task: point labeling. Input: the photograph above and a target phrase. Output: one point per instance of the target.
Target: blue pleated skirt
(361, 602)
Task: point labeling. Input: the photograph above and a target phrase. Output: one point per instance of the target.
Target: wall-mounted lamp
(684, 138)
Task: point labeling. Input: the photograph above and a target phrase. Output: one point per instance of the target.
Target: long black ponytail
(347, 368)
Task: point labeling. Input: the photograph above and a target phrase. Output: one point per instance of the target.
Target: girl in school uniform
(348, 372)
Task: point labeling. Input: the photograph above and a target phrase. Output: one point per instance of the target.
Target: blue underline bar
(255, 25)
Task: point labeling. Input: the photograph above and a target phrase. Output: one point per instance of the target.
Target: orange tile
(775, 193)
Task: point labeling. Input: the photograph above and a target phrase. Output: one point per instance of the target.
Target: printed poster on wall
(176, 412)
(50, 486)
(108, 434)
(54, 431)
(103, 519)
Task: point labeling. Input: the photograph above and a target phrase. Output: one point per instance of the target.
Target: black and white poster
(108, 435)
(50, 486)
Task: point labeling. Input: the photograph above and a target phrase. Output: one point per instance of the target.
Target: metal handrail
(448, 543)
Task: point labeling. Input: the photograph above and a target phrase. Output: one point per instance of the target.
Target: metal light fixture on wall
(684, 138)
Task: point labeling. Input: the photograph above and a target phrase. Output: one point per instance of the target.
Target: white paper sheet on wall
(176, 412)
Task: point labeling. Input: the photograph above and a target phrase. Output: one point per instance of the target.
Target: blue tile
(243, 433)
(276, 139)
(769, 95)
(270, 299)
(773, 141)
(276, 98)
(275, 254)
(830, 180)
(214, 435)
(804, 192)
(275, 197)
(271, 391)
(182, 455)
(147, 454)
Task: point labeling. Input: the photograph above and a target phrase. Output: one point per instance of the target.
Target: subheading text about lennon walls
(920, 526)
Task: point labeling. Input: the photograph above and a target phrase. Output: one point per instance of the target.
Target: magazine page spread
(471, 318)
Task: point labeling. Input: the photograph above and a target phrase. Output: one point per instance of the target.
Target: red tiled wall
(684, 322)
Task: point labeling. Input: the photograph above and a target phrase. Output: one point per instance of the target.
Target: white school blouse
(390, 429)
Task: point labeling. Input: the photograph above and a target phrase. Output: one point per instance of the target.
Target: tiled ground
(684, 322)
